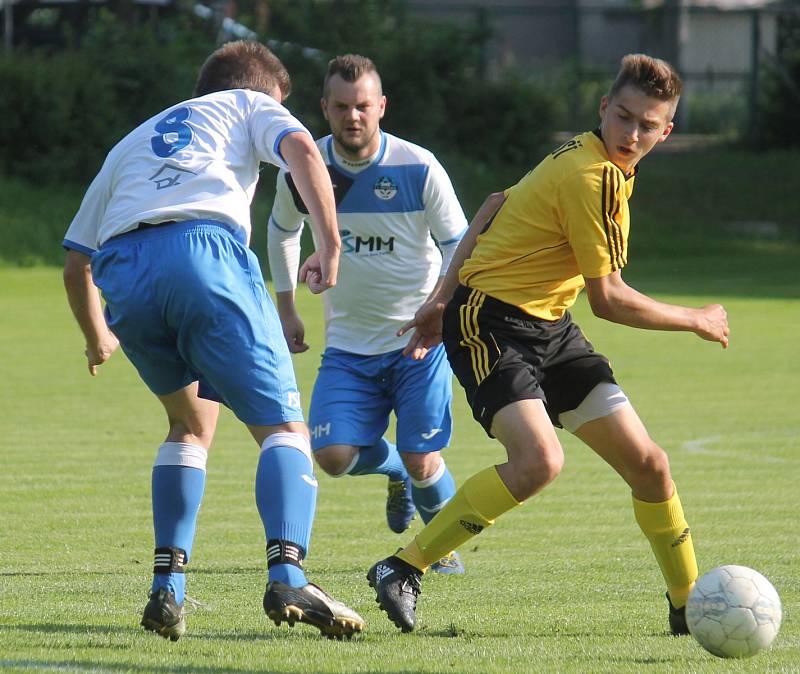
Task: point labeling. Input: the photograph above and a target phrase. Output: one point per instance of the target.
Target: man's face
(354, 110)
(632, 123)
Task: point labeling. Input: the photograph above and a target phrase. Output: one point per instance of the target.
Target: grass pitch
(565, 583)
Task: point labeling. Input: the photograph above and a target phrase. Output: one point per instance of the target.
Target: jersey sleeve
(445, 217)
(82, 232)
(284, 230)
(270, 122)
(593, 205)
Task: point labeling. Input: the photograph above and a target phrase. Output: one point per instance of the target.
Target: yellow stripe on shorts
(479, 353)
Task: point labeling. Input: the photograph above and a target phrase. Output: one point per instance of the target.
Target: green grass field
(564, 584)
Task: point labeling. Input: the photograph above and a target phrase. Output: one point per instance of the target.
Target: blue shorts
(354, 395)
(188, 303)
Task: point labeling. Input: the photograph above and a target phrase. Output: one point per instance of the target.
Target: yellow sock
(475, 506)
(668, 532)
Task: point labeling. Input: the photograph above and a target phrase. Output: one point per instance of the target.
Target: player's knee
(335, 460)
(195, 432)
(550, 464)
(421, 466)
(651, 467)
(539, 466)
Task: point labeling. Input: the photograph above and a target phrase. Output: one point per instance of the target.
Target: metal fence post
(755, 48)
(8, 25)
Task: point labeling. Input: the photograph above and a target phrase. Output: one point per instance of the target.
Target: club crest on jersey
(385, 188)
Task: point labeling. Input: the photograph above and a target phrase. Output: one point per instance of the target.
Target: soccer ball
(733, 612)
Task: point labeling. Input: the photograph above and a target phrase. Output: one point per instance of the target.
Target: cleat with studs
(397, 585)
(449, 564)
(400, 509)
(313, 606)
(677, 619)
(164, 616)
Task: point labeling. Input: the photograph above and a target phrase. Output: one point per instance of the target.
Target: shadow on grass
(453, 631)
(269, 634)
(89, 667)
(111, 667)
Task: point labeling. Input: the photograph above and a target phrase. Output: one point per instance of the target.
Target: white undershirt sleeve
(283, 238)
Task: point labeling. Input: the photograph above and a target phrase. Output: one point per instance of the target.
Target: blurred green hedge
(64, 108)
(780, 95)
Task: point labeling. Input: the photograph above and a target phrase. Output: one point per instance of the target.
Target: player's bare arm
(314, 185)
(614, 300)
(427, 321)
(84, 300)
(294, 330)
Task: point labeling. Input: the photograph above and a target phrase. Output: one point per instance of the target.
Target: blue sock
(382, 458)
(178, 483)
(431, 495)
(286, 496)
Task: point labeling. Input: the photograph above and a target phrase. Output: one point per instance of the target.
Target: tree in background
(432, 72)
(781, 89)
(65, 104)
(63, 107)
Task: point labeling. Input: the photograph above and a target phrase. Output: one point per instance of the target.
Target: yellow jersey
(565, 220)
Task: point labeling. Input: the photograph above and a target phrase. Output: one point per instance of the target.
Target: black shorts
(501, 354)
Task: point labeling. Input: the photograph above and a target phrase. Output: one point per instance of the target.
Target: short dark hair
(349, 67)
(654, 77)
(243, 65)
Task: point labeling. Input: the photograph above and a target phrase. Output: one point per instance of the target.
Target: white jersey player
(163, 232)
(399, 221)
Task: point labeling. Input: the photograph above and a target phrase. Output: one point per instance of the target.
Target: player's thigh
(571, 368)
(511, 379)
(535, 456)
(126, 272)
(422, 391)
(524, 429)
(621, 439)
(191, 419)
(488, 354)
(349, 405)
(230, 334)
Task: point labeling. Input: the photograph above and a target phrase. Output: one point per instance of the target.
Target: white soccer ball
(733, 612)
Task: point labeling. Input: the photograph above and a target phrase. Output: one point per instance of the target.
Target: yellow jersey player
(502, 313)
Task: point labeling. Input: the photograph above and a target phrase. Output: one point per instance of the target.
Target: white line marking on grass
(700, 445)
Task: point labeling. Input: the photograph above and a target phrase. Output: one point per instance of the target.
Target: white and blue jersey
(197, 160)
(397, 212)
(389, 214)
(166, 223)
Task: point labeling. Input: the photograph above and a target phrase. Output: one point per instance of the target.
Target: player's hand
(294, 332)
(97, 354)
(319, 271)
(713, 324)
(427, 326)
